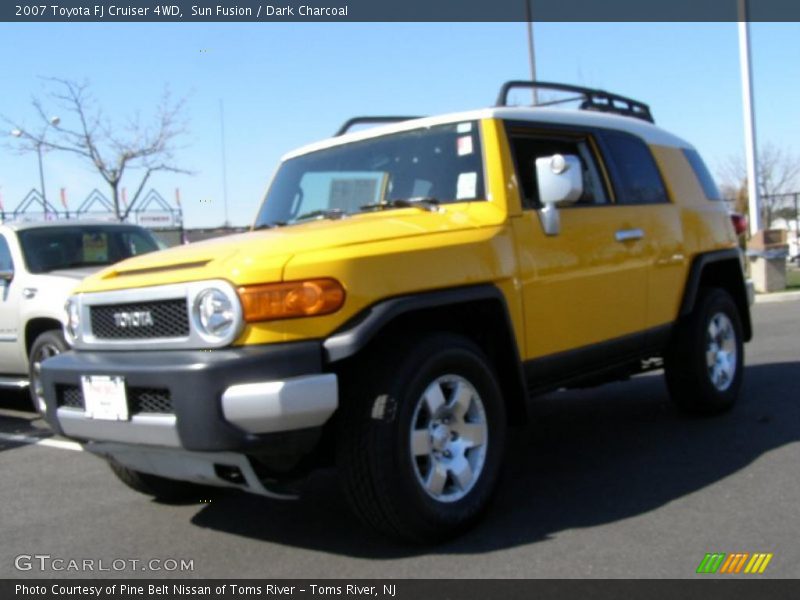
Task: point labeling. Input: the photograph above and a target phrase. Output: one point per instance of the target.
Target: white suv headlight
(214, 314)
(73, 324)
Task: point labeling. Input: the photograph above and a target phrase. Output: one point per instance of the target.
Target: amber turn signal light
(289, 300)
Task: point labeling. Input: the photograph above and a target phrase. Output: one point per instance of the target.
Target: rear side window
(636, 176)
(703, 176)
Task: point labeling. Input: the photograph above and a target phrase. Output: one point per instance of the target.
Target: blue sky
(286, 84)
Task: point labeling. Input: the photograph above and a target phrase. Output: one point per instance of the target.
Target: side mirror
(7, 275)
(560, 183)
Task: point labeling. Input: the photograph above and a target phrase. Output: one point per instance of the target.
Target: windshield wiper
(423, 202)
(328, 213)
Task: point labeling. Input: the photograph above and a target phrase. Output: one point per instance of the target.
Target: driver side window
(6, 264)
(526, 147)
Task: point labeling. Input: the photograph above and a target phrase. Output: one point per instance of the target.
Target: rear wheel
(421, 439)
(47, 344)
(160, 488)
(705, 360)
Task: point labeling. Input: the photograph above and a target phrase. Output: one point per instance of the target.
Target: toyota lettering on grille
(138, 318)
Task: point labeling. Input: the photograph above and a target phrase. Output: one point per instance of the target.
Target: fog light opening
(230, 474)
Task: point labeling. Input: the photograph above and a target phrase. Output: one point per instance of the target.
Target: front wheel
(421, 439)
(705, 360)
(47, 344)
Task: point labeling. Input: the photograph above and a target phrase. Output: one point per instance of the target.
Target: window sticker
(351, 193)
(466, 186)
(95, 248)
(464, 127)
(464, 145)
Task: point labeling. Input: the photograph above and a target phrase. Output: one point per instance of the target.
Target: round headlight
(73, 324)
(215, 313)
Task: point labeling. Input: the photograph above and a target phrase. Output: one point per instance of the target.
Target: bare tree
(113, 151)
(778, 173)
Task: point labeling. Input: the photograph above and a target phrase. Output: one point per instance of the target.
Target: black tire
(381, 474)
(160, 488)
(47, 344)
(690, 379)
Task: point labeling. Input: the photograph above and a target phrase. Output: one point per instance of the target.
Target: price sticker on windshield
(95, 248)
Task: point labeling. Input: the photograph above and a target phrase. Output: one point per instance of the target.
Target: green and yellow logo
(737, 562)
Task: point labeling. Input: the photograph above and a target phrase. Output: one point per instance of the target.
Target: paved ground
(609, 482)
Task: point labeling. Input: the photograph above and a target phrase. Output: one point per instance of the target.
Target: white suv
(40, 264)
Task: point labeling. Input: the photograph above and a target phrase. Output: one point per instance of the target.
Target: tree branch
(111, 151)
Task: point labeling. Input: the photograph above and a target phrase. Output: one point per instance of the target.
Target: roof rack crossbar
(369, 120)
(592, 99)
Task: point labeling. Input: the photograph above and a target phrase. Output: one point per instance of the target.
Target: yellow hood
(260, 256)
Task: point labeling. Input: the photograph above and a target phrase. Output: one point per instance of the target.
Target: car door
(584, 289)
(9, 312)
(638, 182)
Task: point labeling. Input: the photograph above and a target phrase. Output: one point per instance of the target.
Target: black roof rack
(591, 99)
(367, 120)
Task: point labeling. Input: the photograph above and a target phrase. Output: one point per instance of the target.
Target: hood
(260, 256)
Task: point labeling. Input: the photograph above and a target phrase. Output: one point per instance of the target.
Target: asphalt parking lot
(608, 482)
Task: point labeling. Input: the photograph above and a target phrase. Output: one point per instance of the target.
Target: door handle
(628, 235)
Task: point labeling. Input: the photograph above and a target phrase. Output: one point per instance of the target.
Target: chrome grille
(170, 319)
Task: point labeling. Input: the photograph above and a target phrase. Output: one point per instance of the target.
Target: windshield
(74, 246)
(441, 164)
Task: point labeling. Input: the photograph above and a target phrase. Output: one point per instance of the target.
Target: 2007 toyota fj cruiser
(403, 291)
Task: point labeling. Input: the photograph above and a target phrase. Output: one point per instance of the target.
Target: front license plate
(104, 397)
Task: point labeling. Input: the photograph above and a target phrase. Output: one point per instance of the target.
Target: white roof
(587, 118)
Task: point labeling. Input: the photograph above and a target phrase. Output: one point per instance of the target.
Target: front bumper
(270, 399)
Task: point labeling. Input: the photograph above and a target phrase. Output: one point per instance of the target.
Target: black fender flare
(359, 331)
(738, 287)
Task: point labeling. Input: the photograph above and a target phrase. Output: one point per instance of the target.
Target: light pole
(38, 143)
(750, 146)
(531, 53)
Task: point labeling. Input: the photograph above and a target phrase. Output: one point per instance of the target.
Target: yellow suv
(403, 291)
